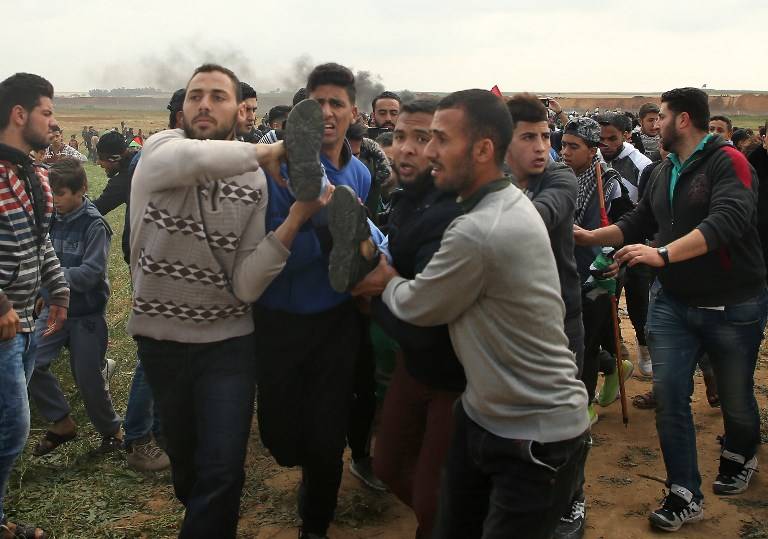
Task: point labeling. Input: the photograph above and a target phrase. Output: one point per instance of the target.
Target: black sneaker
(571, 526)
(678, 508)
(303, 139)
(363, 470)
(734, 474)
(348, 225)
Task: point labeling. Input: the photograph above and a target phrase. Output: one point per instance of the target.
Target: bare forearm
(609, 235)
(689, 246)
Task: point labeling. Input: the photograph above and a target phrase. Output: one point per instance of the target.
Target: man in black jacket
(701, 204)
(417, 419)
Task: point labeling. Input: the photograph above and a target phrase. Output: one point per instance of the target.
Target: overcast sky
(421, 45)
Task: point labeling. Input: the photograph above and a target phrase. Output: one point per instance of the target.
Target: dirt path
(619, 499)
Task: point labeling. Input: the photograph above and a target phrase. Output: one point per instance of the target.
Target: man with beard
(246, 127)
(520, 425)
(27, 259)
(199, 256)
(701, 204)
(417, 420)
(385, 107)
(646, 140)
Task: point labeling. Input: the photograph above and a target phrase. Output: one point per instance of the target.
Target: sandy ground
(618, 497)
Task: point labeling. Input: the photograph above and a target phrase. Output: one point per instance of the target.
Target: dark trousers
(305, 366)
(596, 314)
(205, 395)
(412, 442)
(637, 284)
(498, 488)
(363, 407)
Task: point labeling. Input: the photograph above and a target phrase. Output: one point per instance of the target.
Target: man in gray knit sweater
(521, 422)
(199, 257)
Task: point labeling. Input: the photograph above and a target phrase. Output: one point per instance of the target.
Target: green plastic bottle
(598, 267)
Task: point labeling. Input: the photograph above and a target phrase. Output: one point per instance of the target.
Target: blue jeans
(677, 334)
(16, 364)
(141, 415)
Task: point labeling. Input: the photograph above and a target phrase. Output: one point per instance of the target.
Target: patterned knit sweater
(199, 252)
(27, 261)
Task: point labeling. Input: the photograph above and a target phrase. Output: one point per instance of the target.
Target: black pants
(637, 284)
(497, 488)
(363, 408)
(305, 365)
(205, 394)
(598, 328)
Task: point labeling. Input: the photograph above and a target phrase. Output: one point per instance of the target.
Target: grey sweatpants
(86, 338)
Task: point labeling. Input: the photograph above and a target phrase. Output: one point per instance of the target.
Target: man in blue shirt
(307, 333)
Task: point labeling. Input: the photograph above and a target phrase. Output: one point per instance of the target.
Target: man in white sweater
(521, 423)
(200, 255)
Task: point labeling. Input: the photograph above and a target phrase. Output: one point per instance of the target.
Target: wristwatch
(664, 254)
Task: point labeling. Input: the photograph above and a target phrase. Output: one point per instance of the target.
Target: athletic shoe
(678, 508)
(348, 225)
(110, 444)
(644, 366)
(303, 138)
(734, 474)
(146, 456)
(110, 366)
(593, 418)
(610, 391)
(363, 470)
(571, 526)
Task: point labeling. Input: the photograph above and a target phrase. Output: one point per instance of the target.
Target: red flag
(495, 90)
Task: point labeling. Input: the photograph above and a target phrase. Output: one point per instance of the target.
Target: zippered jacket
(716, 193)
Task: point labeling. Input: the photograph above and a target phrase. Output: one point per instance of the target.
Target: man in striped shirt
(27, 260)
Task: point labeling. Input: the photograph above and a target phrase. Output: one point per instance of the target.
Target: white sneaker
(644, 366)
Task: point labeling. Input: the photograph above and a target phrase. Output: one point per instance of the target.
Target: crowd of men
(471, 246)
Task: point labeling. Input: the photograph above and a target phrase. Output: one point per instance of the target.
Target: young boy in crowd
(81, 238)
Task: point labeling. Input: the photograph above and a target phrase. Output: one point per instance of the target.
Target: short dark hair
(526, 108)
(615, 119)
(247, 91)
(55, 128)
(385, 95)
(724, 119)
(212, 68)
(426, 106)
(335, 75)
(280, 112)
(67, 173)
(23, 89)
(175, 106)
(691, 100)
(648, 108)
(386, 139)
(299, 96)
(356, 131)
(486, 117)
